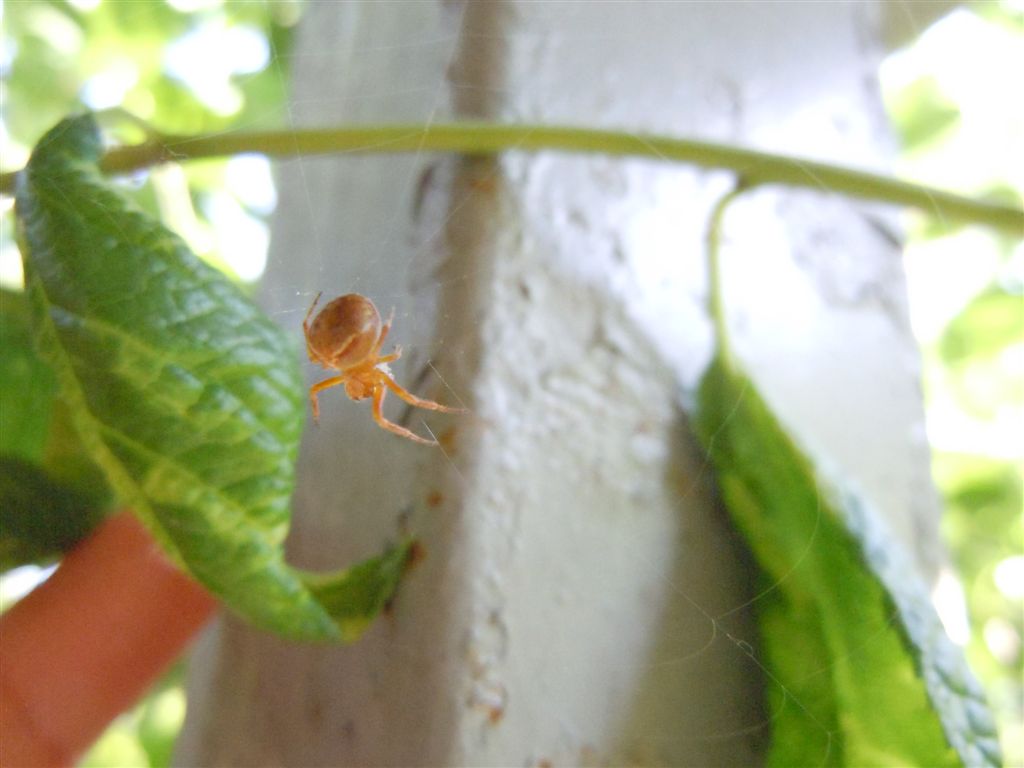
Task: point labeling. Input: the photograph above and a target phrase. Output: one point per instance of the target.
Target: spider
(347, 336)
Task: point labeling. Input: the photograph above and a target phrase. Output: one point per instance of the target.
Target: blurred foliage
(41, 517)
(987, 327)
(144, 736)
(976, 353)
(922, 112)
(184, 66)
(945, 93)
(115, 54)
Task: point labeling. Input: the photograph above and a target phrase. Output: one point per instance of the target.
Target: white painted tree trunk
(582, 599)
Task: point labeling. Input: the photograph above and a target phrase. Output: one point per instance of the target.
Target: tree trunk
(582, 598)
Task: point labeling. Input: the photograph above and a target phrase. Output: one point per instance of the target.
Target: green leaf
(48, 498)
(185, 394)
(982, 521)
(993, 321)
(27, 384)
(40, 518)
(922, 112)
(364, 591)
(864, 672)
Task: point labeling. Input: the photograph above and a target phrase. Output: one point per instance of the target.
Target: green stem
(490, 138)
(716, 302)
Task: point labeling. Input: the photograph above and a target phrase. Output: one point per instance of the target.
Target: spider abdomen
(345, 331)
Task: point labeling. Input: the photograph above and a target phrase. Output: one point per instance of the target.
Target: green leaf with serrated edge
(40, 518)
(185, 394)
(851, 639)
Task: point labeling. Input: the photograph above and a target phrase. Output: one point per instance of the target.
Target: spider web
(562, 299)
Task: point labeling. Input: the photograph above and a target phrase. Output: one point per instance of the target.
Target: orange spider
(347, 336)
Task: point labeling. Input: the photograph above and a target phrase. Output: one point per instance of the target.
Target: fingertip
(88, 642)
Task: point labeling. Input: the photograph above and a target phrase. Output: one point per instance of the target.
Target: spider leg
(305, 322)
(313, 358)
(384, 334)
(390, 426)
(411, 399)
(320, 387)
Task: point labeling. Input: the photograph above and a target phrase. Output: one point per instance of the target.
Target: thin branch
(756, 168)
